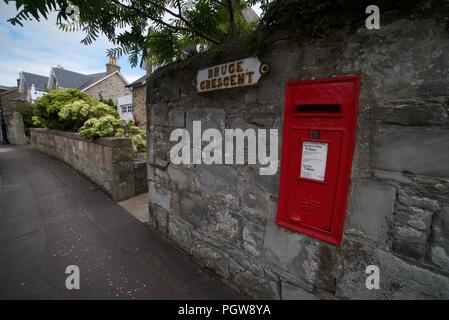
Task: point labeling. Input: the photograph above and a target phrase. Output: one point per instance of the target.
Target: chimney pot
(112, 66)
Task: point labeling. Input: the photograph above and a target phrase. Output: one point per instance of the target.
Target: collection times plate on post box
(320, 121)
(314, 160)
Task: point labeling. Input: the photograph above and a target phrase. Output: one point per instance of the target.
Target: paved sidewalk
(52, 217)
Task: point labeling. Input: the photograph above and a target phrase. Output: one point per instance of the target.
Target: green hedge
(73, 110)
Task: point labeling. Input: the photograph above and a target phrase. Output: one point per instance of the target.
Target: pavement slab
(52, 217)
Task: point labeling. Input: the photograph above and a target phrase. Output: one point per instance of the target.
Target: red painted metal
(323, 111)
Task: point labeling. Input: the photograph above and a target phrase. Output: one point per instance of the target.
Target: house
(139, 100)
(104, 86)
(125, 107)
(31, 86)
(108, 85)
(4, 89)
(139, 96)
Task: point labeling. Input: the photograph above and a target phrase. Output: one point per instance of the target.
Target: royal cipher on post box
(320, 119)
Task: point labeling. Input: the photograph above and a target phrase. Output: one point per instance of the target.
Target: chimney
(147, 66)
(112, 66)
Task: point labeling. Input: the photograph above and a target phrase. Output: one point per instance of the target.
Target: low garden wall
(108, 162)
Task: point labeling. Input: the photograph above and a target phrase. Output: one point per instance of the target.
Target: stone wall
(15, 128)
(110, 88)
(108, 161)
(140, 177)
(398, 210)
(139, 105)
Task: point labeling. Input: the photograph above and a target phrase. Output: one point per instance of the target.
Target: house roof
(40, 82)
(5, 88)
(250, 15)
(11, 89)
(138, 82)
(71, 79)
(94, 77)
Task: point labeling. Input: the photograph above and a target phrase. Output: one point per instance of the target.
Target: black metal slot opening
(318, 108)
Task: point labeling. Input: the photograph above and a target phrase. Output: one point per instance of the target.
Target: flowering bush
(139, 141)
(73, 110)
(68, 109)
(110, 126)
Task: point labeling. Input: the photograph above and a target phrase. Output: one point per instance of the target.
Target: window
(127, 108)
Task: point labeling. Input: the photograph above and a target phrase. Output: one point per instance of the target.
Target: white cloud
(40, 45)
(37, 46)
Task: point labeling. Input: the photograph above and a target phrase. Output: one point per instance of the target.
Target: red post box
(320, 119)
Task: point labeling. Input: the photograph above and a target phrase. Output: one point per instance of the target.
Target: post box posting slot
(318, 145)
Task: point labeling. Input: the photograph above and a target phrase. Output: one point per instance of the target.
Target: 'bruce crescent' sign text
(238, 73)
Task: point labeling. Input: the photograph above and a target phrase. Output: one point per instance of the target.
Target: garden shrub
(110, 126)
(73, 110)
(78, 112)
(139, 141)
(68, 109)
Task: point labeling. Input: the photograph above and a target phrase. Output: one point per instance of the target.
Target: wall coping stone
(107, 141)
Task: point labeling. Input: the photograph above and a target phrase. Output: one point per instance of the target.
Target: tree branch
(160, 21)
(232, 25)
(190, 27)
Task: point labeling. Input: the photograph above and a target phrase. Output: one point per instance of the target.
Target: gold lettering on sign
(233, 74)
(217, 76)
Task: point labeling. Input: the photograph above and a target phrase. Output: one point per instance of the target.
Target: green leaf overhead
(160, 30)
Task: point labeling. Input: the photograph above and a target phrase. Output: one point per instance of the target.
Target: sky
(38, 46)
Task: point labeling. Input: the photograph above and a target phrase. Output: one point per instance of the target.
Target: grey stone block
(160, 163)
(414, 217)
(257, 287)
(268, 183)
(290, 292)
(158, 218)
(176, 118)
(211, 257)
(439, 254)
(222, 224)
(240, 262)
(182, 177)
(419, 202)
(218, 179)
(420, 151)
(412, 113)
(440, 257)
(394, 176)
(292, 252)
(159, 114)
(159, 196)
(192, 209)
(252, 235)
(410, 235)
(399, 279)
(371, 206)
(253, 198)
(409, 241)
(209, 117)
(180, 233)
